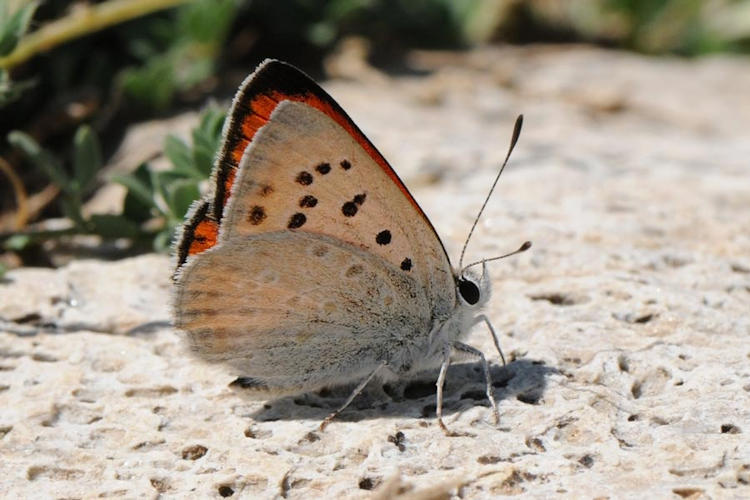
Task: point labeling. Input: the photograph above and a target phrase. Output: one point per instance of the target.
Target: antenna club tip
(526, 245)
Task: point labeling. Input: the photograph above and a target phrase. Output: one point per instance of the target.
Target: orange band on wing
(204, 236)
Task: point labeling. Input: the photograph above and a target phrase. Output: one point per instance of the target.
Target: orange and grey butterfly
(310, 264)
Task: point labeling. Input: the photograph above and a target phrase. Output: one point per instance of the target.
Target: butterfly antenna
(513, 141)
(526, 245)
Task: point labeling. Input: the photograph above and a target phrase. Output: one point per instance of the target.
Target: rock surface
(626, 325)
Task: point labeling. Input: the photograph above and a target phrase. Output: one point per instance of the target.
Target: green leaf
(181, 195)
(160, 180)
(10, 90)
(41, 159)
(138, 207)
(17, 242)
(141, 190)
(87, 157)
(13, 27)
(71, 207)
(207, 139)
(163, 240)
(179, 154)
(113, 226)
(207, 21)
(153, 84)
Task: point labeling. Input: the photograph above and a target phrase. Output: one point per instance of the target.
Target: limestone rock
(626, 325)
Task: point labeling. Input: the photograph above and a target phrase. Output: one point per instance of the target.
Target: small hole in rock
(306, 402)
(730, 429)
(159, 484)
(418, 390)
(475, 395)
(535, 443)
(488, 459)
(622, 364)
(634, 418)
(558, 299)
(398, 440)
(312, 437)
(367, 483)
(688, 492)
(194, 452)
(528, 398)
(226, 490)
(636, 390)
(587, 461)
(502, 378)
(644, 319)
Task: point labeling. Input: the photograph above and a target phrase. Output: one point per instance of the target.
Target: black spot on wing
(383, 237)
(349, 209)
(257, 215)
(297, 220)
(308, 201)
(304, 178)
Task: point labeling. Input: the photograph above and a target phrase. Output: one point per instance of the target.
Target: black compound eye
(469, 291)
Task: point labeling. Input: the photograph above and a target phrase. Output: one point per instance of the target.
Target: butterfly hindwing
(327, 315)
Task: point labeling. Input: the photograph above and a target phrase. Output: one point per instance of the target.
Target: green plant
(166, 195)
(13, 25)
(177, 54)
(75, 186)
(156, 200)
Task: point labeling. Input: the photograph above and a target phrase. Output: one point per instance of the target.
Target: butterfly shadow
(523, 379)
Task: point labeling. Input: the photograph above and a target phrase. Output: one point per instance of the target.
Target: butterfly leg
(351, 397)
(484, 318)
(440, 383)
(477, 354)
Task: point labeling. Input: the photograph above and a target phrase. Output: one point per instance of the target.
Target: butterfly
(309, 264)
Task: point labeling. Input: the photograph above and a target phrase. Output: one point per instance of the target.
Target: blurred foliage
(14, 21)
(683, 27)
(13, 25)
(177, 54)
(107, 63)
(166, 195)
(84, 162)
(156, 200)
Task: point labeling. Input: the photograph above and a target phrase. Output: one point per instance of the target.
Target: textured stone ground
(627, 323)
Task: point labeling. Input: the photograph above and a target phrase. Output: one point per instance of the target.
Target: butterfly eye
(469, 291)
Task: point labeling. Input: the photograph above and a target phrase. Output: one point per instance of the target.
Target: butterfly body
(310, 264)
